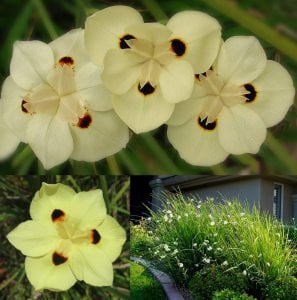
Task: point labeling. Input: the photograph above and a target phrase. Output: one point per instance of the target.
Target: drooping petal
(113, 236)
(33, 238)
(71, 44)
(177, 81)
(105, 28)
(8, 140)
(30, 63)
(196, 145)
(50, 139)
(88, 209)
(48, 198)
(105, 136)
(274, 94)
(15, 115)
(200, 33)
(44, 274)
(241, 130)
(143, 112)
(241, 59)
(92, 92)
(121, 70)
(91, 264)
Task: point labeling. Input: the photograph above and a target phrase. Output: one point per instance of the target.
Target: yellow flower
(69, 238)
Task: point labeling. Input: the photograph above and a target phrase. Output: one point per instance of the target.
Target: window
(278, 200)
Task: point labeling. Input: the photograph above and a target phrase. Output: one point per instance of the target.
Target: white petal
(105, 28)
(88, 209)
(121, 70)
(50, 139)
(241, 130)
(15, 118)
(201, 33)
(196, 145)
(241, 59)
(34, 238)
(30, 63)
(8, 140)
(275, 93)
(142, 113)
(43, 274)
(91, 264)
(71, 44)
(177, 81)
(92, 92)
(113, 236)
(105, 136)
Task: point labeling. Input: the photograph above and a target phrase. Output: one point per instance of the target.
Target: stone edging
(167, 283)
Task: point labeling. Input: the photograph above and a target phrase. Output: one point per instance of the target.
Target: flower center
(219, 94)
(57, 95)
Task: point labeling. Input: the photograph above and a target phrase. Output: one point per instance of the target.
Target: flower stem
(105, 191)
(120, 193)
(246, 20)
(113, 165)
(47, 22)
(155, 9)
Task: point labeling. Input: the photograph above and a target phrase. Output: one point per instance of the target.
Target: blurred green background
(272, 21)
(16, 193)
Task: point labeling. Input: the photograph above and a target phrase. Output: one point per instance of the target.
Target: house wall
(247, 190)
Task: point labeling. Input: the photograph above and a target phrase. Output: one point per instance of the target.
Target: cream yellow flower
(69, 238)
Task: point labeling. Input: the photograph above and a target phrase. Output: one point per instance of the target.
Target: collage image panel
(64, 237)
(213, 237)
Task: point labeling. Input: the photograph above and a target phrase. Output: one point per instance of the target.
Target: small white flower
(195, 245)
(186, 214)
(165, 218)
(149, 219)
(268, 264)
(219, 249)
(244, 272)
(212, 223)
(196, 265)
(166, 247)
(150, 232)
(175, 252)
(175, 243)
(209, 248)
(242, 214)
(229, 203)
(225, 222)
(215, 234)
(198, 206)
(210, 216)
(225, 263)
(206, 260)
(169, 212)
(180, 265)
(162, 256)
(171, 216)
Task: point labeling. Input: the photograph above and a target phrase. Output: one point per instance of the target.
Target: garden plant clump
(208, 247)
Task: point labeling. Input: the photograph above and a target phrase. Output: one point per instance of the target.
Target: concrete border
(167, 283)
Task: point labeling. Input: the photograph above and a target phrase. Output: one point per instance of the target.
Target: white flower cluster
(77, 96)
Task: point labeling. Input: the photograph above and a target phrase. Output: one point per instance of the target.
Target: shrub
(227, 294)
(213, 278)
(282, 289)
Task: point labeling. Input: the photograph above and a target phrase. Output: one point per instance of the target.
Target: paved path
(167, 283)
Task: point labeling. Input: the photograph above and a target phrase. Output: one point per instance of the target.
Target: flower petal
(275, 93)
(113, 237)
(50, 139)
(33, 238)
(201, 34)
(88, 209)
(121, 70)
(196, 145)
(14, 115)
(105, 136)
(92, 265)
(241, 59)
(241, 130)
(49, 198)
(142, 112)
(177, 81)
(92, 92)
(105, 28)
(43, 274)
(30, 63)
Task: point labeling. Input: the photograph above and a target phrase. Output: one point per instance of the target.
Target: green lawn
(143, 285)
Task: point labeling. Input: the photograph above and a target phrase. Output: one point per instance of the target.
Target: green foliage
(16, 193)
(143, 285)
(213, 278)
(282, 289)
(227, 294)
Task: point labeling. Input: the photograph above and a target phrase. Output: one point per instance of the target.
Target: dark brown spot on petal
(251, 96)
(58, 259)
(58, 215)
(66, 60)
(147, 89)
(122, 43)
(85, 121)
(205, 125)
(178, 47)
(198, 76)
(95, 236)
(24, 109)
